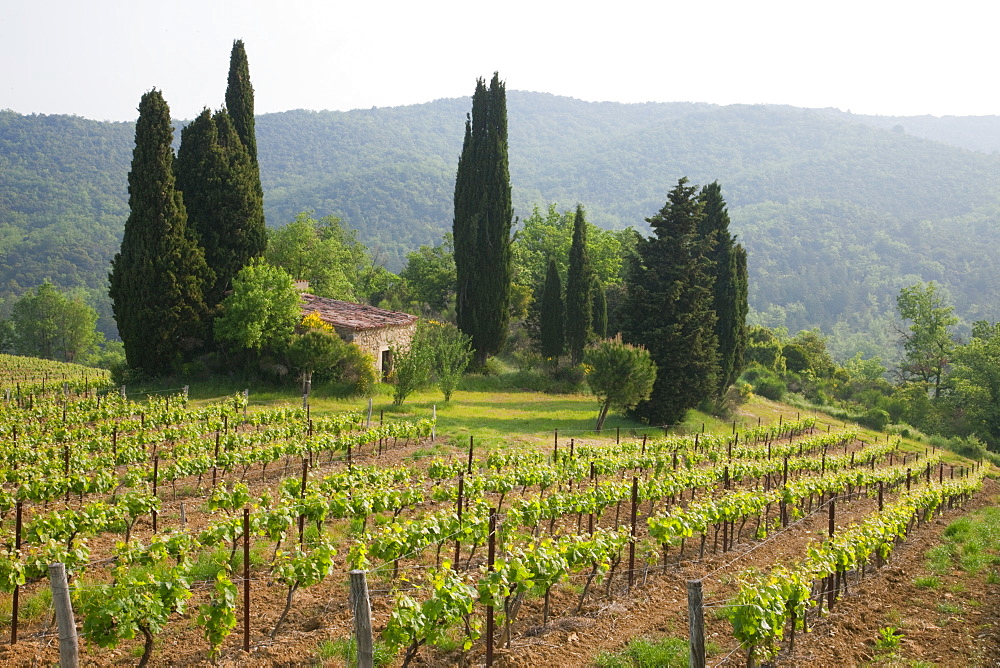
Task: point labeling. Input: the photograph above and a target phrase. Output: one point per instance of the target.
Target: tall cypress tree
(159, 275)
(579, 280)
(551, 316)
(742, 308)
(668, 308)
(483, 213)
(223, 202)
(729, 293)
(239, 98)
(599, 309)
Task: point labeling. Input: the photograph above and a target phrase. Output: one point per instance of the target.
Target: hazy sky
(96, 59)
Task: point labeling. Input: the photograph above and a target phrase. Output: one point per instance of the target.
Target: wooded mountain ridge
(837, 211)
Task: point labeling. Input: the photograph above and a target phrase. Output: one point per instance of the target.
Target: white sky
(95, 59)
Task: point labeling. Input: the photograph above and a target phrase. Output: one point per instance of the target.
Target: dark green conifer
(599, 309)
(579, 280)
(668, 308)
(158, 277)
(483, 214)
(239, 98)
(551, 314)
(729, 296)
(222, 198)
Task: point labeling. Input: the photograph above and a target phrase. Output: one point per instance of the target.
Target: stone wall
(376, 342)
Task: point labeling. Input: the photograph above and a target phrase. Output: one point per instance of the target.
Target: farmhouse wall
(376, 342)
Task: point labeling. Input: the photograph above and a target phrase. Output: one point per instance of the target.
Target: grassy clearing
(666, 652)
(970, 544)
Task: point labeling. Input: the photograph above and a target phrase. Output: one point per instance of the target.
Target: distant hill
(838, 211)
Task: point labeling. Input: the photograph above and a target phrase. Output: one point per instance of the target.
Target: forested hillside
(837, 211)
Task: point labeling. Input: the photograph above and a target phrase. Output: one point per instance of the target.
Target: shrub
(770, 388)
(874, 418)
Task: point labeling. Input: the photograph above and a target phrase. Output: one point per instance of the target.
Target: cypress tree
(668, 308)
(579, 280)
(729, 296)
(223, 202)
(599, 309)
(239, 98)
(159, 275)
(551, 315)
(742, 308)
(483, 213)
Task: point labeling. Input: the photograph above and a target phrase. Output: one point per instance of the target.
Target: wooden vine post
(362, 608)
(302, 494)
(830, 592)
(69, 656)
(631, 542)
(458, 541)
(246, 579)
(17, 588)
(696, 624)
(491, 557)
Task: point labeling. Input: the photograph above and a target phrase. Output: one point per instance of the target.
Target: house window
(386, 364)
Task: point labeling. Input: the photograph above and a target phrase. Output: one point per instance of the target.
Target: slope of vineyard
(147, 500)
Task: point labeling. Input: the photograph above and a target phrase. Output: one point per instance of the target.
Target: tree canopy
(46, 323)
(482, 223)
(668, 308)
(159, 276)
(262, 311)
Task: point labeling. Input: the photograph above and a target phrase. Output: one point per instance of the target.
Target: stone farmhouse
(373, 329)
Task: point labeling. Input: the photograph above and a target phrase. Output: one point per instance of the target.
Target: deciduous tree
(620, 375)
(47, 323)
(927, 342)
(262, 311)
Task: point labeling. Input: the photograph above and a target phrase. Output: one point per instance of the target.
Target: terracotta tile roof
(354, 316)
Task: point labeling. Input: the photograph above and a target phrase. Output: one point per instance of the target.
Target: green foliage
(645, 653)
(875, 418)
(262, 311)
(48, 324)
(542, 237)
(430, 274)
(451, 351)
(764, 382)
(411, 366)
(412, 624)
(550, 326)
(579, 281)
(765, 349)
(599, 309)
(221, 188)
(928, 344)
(888, 640)
(316, 351)
(325, 254)
(976, 378)
(239, 99)
(159, 276)
(620, 375)
(218, 617)
(668, 309)
(482, 223)
(729, 289)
